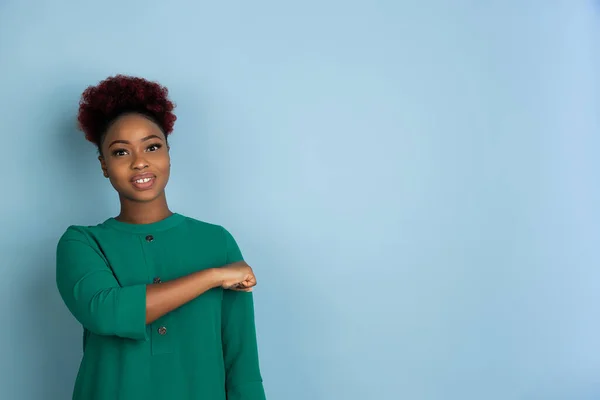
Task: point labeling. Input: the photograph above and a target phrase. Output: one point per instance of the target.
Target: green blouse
(204, 350)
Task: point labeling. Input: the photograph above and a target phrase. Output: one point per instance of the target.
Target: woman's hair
(100, 105)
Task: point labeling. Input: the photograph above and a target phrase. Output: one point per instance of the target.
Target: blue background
(415, 183)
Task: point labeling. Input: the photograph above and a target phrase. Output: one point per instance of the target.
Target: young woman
(164, 300)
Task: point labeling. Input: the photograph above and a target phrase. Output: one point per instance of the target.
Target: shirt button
(162, 330)
(149, 238)
(157, 280)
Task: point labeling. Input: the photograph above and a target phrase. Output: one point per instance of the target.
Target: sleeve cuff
(132, 312)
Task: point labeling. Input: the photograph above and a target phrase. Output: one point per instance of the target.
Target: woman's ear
(103, 166)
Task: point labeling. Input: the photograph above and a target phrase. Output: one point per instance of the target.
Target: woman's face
(135, 157)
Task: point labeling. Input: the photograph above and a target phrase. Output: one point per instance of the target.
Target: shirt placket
(160, 335)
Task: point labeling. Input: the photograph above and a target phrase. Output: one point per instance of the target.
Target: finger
(241, 285)
(245, 285)
(236, 286)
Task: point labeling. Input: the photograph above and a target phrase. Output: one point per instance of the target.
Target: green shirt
(203, 350)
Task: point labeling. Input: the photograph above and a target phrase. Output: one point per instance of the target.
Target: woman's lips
(143, 182)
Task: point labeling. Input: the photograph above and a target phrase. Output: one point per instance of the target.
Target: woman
(164, 300)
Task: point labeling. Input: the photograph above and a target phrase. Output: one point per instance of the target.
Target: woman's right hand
(237, 276)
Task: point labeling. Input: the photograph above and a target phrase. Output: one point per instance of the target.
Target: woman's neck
(134, 212)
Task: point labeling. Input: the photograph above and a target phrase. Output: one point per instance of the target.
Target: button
(162, 330)
(149, 238)
(157, 280)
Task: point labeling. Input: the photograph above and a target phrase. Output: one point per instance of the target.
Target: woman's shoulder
(81, 233)
(205, 226)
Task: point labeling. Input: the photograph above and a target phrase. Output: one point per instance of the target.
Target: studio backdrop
(415, 183)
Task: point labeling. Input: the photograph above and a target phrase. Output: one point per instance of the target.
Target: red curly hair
(102, 104)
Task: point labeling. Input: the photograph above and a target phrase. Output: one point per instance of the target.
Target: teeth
(144, 180)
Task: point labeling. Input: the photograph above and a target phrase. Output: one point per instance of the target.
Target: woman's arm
(162, 298)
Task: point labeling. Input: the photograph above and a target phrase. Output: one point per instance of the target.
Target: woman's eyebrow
(151, 137)
(127, 142)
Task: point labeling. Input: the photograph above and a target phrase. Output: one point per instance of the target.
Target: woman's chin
(141, 197)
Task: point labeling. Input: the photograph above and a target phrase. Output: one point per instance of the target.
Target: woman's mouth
(144, 182)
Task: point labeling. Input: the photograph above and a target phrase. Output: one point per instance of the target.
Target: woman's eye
(154, 147)
(119, 152)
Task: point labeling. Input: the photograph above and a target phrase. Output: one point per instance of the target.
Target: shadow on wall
(77, 194)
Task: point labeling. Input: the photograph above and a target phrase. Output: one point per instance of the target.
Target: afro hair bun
(114, 96)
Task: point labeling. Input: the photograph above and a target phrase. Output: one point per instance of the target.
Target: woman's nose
(139, 162)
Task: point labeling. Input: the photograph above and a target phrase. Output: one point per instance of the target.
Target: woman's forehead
(133, 127)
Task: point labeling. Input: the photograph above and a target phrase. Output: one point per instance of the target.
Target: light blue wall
(415, 183)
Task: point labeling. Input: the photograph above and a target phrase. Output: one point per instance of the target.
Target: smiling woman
(135, 158)
(164, 300)
(129, 120)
